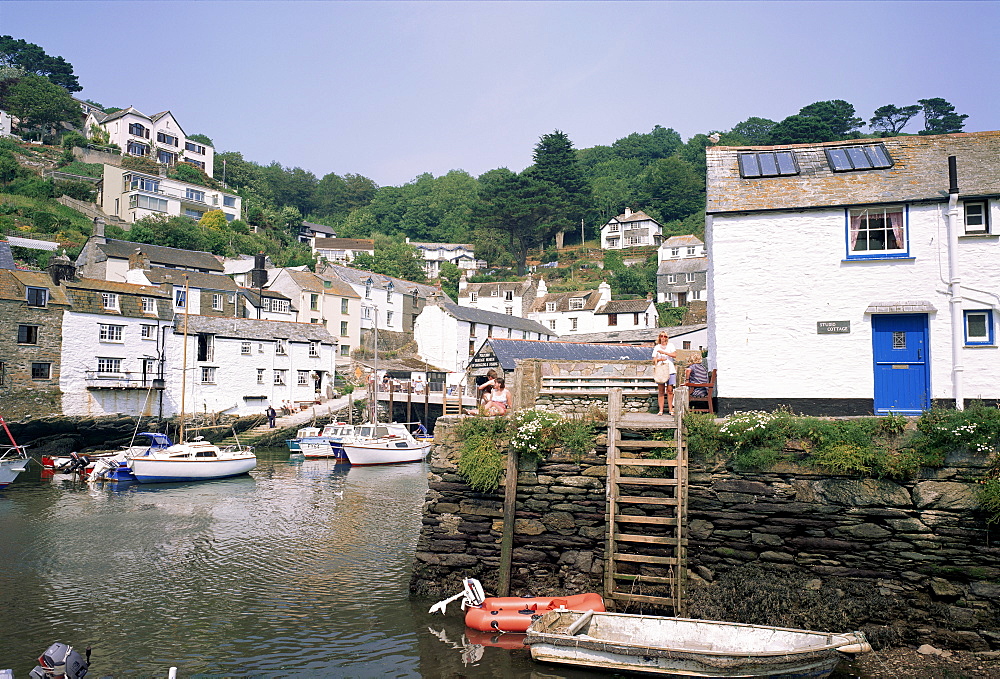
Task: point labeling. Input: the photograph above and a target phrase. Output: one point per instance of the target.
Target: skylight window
(851, 158)
(768, 164)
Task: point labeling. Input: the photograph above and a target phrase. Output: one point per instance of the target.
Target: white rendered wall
(773, 276)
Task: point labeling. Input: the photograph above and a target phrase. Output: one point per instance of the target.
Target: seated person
(697, 373)
(486, 387)
(500, 400)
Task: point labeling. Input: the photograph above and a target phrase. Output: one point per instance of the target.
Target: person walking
(664, 371)
(271, 414)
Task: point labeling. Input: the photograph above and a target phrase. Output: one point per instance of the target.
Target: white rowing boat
(684, 647)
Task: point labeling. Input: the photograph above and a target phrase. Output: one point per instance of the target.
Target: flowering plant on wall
(533, 433)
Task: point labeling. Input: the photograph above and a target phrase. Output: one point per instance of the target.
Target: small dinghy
(513, 614)
(683, 647)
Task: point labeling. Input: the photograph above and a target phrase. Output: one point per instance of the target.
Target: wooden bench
(708, 399)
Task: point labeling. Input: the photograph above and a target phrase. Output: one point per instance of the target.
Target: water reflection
(300, 569)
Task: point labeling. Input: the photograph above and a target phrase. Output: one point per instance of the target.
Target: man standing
(271, 415)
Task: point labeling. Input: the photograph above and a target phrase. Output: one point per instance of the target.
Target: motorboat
(197, 460)
(116, 467)
(512, 613)
(294, 446)
(329, 442)
(685, 647)
(385, 444)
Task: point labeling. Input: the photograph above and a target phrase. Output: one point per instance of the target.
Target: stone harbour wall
(919, 546)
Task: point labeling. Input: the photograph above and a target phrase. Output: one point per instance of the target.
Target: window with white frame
(281, 306)
(574, 323)
(229, 201)
(216, 301)
(195, 195)
(147, 332)
(366, 312)
(246, 348)
(550, 307)
(979, 327)
(552, 324)
(279, 377)
(134, 148)
(690, 251)
(575, 303)
(675, 252)
(111, 333)
(138, 182)
(345, 305)
(689, 277)
(207, 375)
(167, 139)
(180, 298)
(110, 301)
(977, 220)
(280, 347)
(368, 289)
(388, 293)
(138, 200)
(876, 232)
(260, 375)
(345, 349)
(614, 228)
(388, 318)
(37, 296)
(495, 292)
(314, 348)
(166, 157)
(303, 378)
(109, 365)
(671, 278)
(148, 305)
(508, 295)
(473, 296)
(343, 328)
(313, 302)
(266, 303)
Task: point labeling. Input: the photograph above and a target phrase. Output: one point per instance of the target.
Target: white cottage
(158, 137)
(889, 274)
(682, 271)
(629, 230)
(514, 298)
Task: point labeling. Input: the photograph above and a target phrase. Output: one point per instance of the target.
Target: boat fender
(860, 644)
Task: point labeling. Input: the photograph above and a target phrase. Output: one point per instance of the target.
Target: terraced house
(887, 253)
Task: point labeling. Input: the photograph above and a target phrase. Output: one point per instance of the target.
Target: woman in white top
(664, 371)
(500, 399)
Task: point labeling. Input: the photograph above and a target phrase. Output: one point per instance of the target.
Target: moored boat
(294, 446)
(13, 460)
(329, 442)
(197, 460)
(385, 444)
(116, 467)
(685, 647)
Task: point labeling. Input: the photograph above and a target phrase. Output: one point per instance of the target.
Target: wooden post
(427, 401)
(409, 403)
(680, 437)
(507, 538)
(614, 416)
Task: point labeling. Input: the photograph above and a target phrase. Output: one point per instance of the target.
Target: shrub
(482, 460)
(576, 435)
(976, 429)
(534, 432)
(703, 437)
(989, 499)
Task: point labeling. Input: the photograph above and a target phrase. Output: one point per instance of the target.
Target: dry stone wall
(919, 543)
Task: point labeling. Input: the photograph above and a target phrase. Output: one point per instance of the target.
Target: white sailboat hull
(9, 469)
(196, 461)
(393, 451)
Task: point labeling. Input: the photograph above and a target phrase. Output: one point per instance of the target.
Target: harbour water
(298, 570)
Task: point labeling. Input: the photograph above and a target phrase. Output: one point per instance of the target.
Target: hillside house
(682, 271)
(158, 137)
(891, 271)
(132, 195)
(309, 232)
(462, 255)
(630, 229)
(448, 335)
(627, 314)
(514, 298)
(584, 311)
(110, 259)
(326, 300)
(342, 250)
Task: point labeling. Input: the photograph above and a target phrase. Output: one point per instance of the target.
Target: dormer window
(368, 289)
(473, 297)
(508, 295)
(37, 296)
(690, 251)
(613, 228)
(110, 301)
(575, 303)
(675, 252)
(388, 293)
(495, 292)
(550, 307)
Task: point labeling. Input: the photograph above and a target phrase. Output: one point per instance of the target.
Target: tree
(39, 103)
(449, 277)
(201, 139)
(753, 131)
(801, 130)
(940, 117)
(556, 164)
(392, 257)
(837, 114)
(33, 59)
(674, 188)
(661, 142)
(891, 119)
(213, 219)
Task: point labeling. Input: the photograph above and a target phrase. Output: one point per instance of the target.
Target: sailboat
(13, 460)
(383, 443)
(194, 460)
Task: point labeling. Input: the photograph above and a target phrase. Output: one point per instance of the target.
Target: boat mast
(375, 400)
(187, 306)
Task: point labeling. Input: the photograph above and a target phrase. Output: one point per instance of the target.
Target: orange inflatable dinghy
(515, 614)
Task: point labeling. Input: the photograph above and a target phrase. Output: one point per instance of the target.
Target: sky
(391, 90)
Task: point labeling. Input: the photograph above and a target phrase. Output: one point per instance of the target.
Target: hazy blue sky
(393, 89)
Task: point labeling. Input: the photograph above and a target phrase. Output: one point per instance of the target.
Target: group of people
(665, 373)
(494, 396)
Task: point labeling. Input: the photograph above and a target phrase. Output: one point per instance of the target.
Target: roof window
(768, 164)
(852, 158)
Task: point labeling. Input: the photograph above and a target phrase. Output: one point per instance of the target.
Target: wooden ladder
(646, 558)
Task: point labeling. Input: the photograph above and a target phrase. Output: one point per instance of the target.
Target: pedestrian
(271, 414)
(664, 371)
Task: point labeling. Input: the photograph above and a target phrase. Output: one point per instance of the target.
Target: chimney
(258, 274)
(543, 289)
(61, 269)
(99, 231)
(463, 283)
(138, 260)
(605, 292)
(628, 212)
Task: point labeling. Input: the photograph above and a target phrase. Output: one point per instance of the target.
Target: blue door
(902, 377)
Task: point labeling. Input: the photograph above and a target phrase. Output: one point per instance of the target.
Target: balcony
(105, 380)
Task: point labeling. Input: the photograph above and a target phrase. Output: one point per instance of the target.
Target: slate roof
(320, 228)
(486, 289)
(312, 282)
(625, 306)
(646, 336)
(99, 285)
(685, 265)
(195, 279)
(681, 241)
(254, 298)
(919, 173)
(6, 257)
(464, 313)
(14, 281)
(638, 216)
(591, 298)
(359, 276)
(253, 329)
(159, 254)
(344, 244)
(509, 351)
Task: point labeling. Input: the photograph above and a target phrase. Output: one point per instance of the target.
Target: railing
(596, 384)
(107, 380)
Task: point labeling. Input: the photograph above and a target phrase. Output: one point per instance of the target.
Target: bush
(482, 460)
(534, 432)
(976, 429)
(703, 437)
(79, 190)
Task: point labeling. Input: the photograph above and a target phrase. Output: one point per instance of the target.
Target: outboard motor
(60, 660)
(77, 464)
